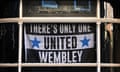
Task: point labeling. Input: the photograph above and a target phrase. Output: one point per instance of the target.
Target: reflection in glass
(59, 8)
(8, 42)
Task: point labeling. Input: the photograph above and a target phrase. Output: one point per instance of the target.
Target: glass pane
(106, 44)
(110, 51)
(9, 8)
(60, 42)
(8, 42)
(110, 69)
(116, 43)
(116, 5)
(110, 7)
(59, 69)
(102, 12)
(11, 69)
(61, 8)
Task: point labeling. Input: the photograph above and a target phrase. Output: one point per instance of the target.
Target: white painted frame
(96, 20)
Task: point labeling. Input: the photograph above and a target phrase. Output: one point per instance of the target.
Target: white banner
(58, 43)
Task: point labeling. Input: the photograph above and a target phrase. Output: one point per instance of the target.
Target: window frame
(98, 20)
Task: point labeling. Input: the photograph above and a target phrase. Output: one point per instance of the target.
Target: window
(54, 35)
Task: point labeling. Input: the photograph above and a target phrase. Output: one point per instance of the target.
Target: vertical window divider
(20, 22)
(98, 38)
(20, 48)
(98, 47)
